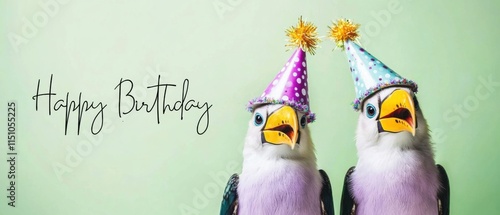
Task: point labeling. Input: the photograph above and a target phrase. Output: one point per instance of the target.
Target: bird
(279, 172)
(396, 172)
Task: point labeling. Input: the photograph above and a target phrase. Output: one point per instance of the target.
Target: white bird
(396, 171)
(280, 175)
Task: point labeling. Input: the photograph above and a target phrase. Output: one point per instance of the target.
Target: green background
(229, 55)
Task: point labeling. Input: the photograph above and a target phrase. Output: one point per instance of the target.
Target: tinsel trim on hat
(403, 82)
(310, 116)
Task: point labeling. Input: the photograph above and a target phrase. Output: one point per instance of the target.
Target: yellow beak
(397, 113)
(282, 127)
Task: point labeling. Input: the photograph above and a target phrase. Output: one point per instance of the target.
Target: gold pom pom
(342, 31)
(303, 35)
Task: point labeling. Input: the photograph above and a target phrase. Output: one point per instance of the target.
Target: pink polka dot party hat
(290, 87)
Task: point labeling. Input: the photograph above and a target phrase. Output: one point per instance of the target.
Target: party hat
(368, 73)
(290, 87)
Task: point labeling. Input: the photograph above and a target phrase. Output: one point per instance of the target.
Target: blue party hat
(368, 73)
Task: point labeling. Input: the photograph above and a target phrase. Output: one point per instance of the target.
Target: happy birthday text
(75, 110)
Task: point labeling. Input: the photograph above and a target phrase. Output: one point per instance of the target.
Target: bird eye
(370, 111)
(303, 121)
(258, 119)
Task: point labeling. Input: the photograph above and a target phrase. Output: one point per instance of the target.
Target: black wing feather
(444, 192)
(230, 198)
(326, 194)
(347, 201)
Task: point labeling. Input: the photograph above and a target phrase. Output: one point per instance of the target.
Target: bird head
(278, 131)
(391, 117)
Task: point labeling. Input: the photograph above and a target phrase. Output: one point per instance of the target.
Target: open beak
(282, 127)
(397, 113)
